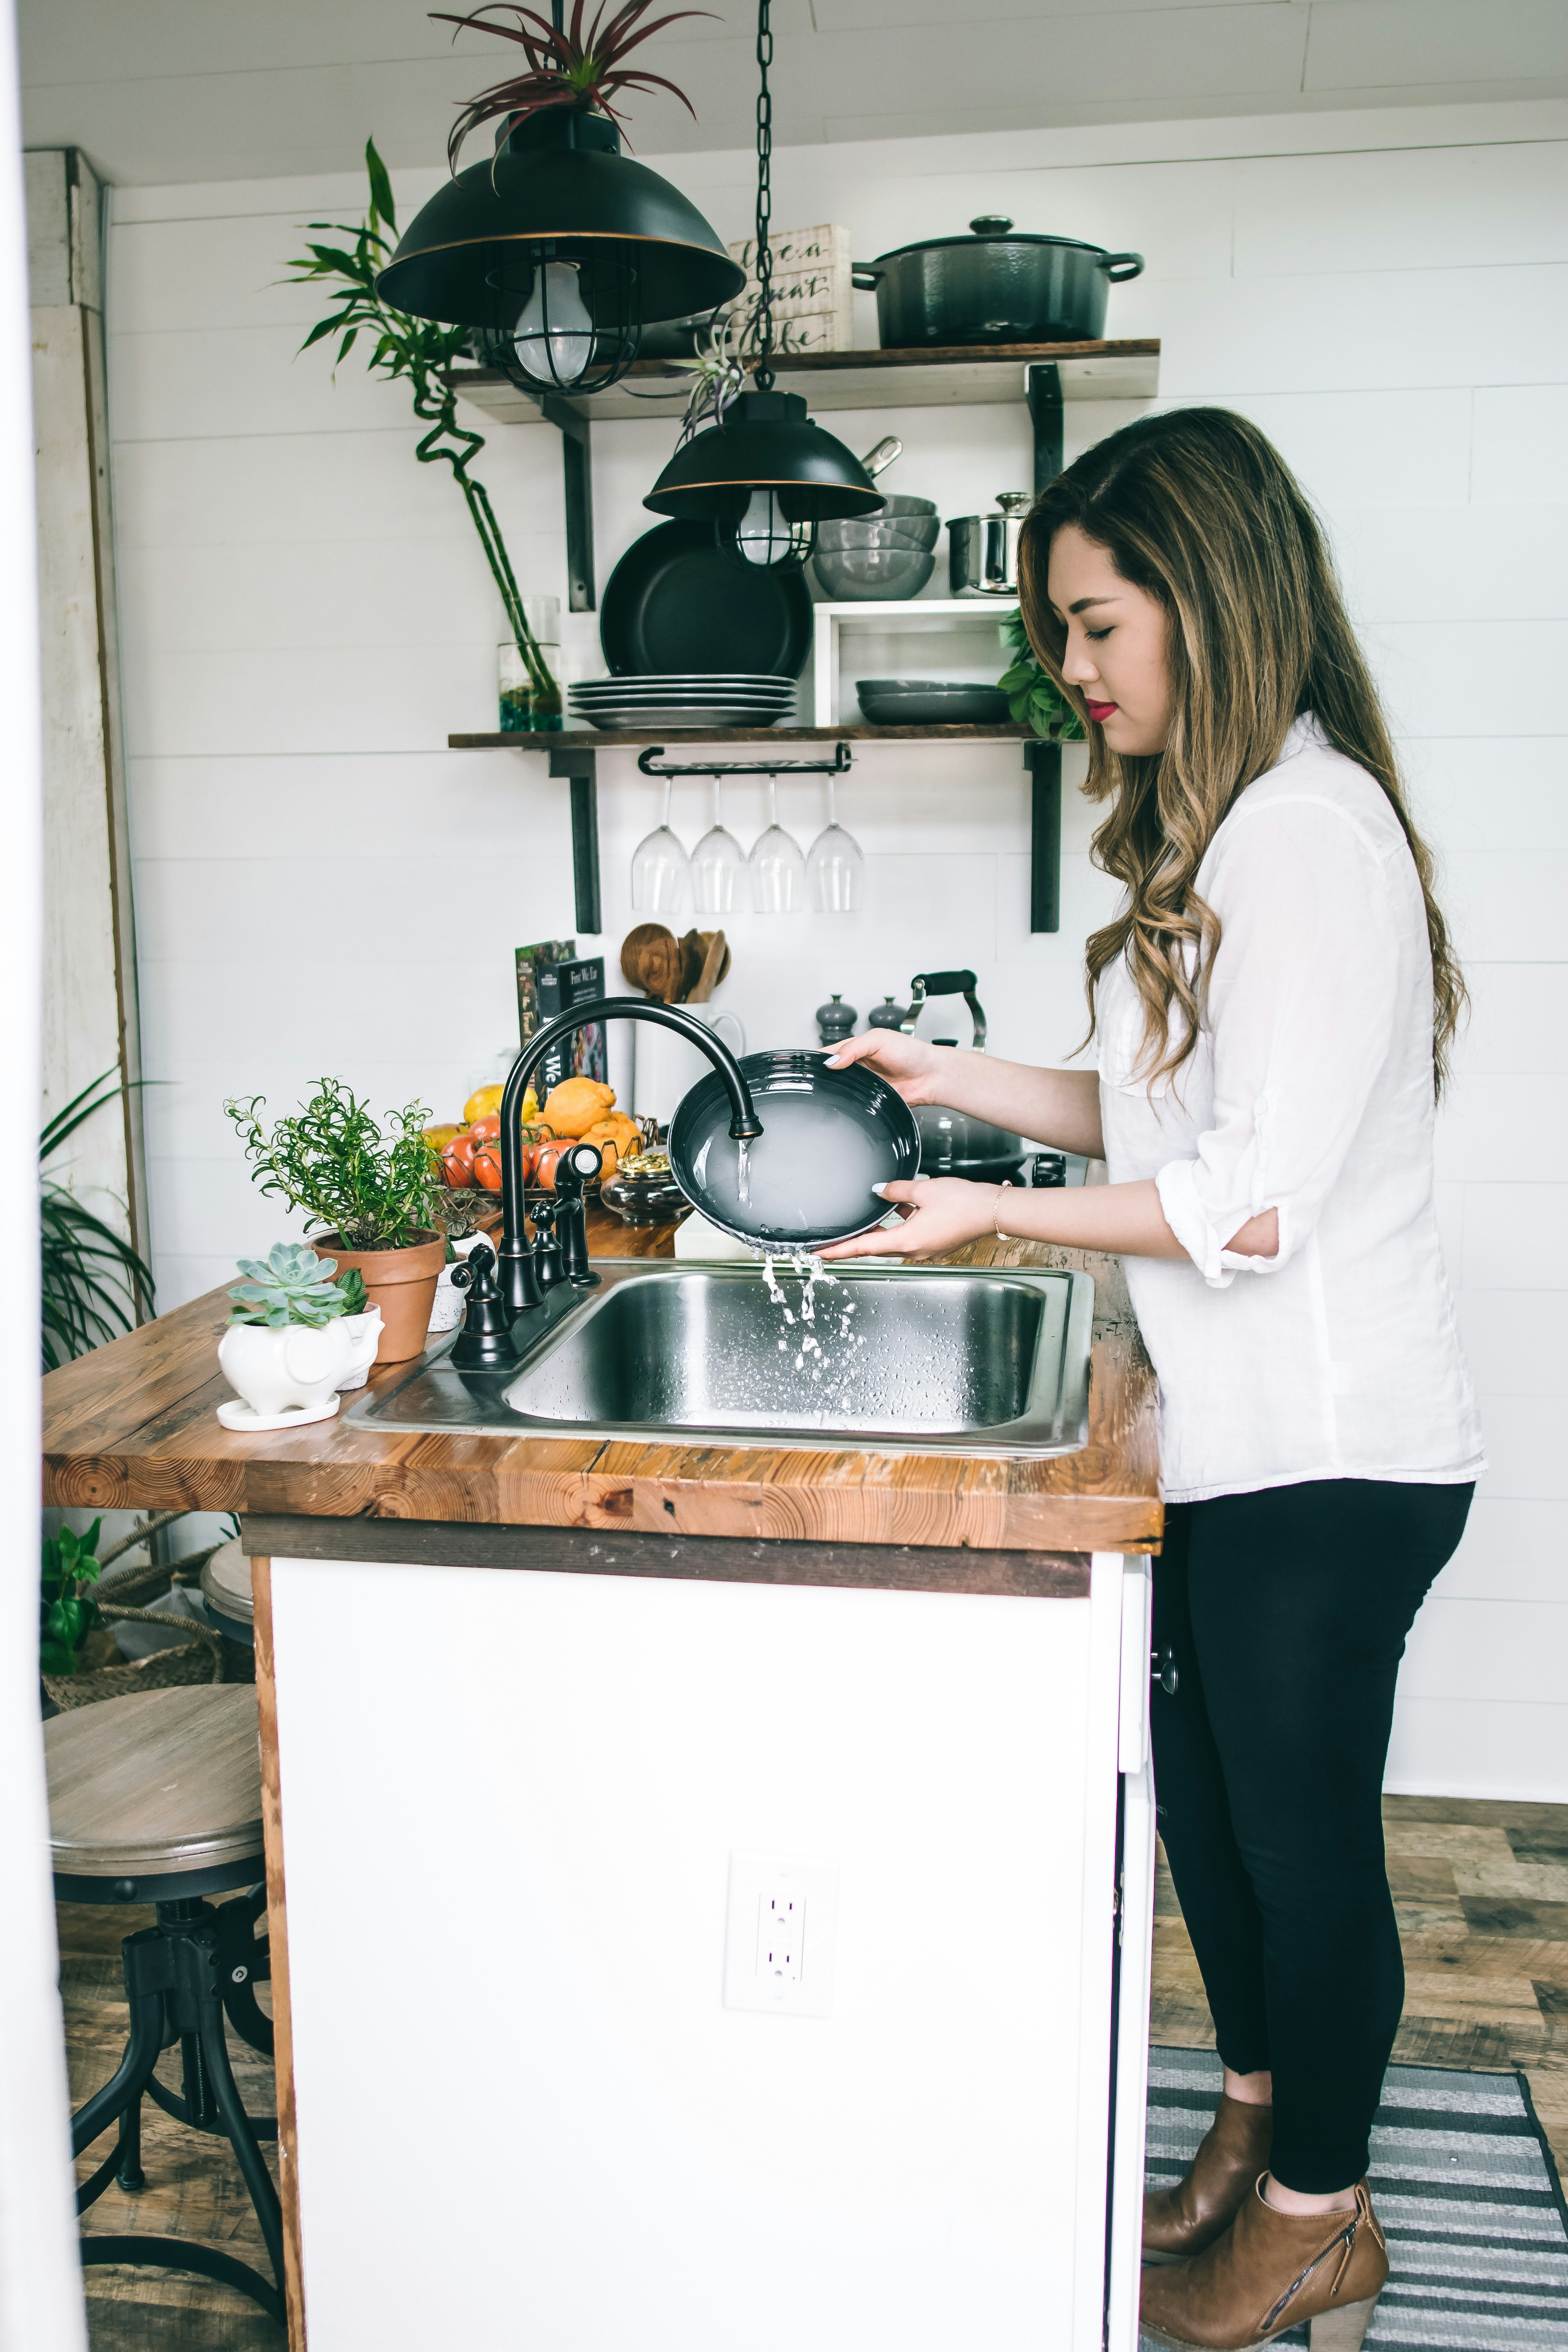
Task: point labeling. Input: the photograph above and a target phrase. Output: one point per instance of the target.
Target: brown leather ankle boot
(1271, 2272)
(1181, 2222)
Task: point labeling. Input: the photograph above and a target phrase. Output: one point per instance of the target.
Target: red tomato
(458, 1163)
(485, 1130)
(487, 1167)
(542, 1164)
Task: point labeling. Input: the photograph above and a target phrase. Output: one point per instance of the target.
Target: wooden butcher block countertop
(133, 1426)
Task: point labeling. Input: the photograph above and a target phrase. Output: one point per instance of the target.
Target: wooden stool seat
(226, 1589)
(160, 1784)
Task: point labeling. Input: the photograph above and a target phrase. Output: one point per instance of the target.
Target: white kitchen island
(559, 2084)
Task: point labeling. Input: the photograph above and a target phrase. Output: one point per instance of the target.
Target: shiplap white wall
(321, 885)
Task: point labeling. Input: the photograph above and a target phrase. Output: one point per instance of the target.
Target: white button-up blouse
(1310, 1092)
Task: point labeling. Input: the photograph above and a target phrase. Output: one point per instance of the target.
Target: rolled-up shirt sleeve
(1300, 1009)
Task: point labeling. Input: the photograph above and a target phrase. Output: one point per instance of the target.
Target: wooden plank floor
(1481, 1892)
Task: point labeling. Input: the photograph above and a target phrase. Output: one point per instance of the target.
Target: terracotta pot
(401, 1282)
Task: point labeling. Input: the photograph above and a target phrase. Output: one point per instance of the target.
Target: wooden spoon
(694, 946)
(708, 938)
(714, 966)
(652, 958)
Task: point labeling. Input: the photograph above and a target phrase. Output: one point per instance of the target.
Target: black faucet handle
(547, 1255)
(574, 1169)
(484, 1342)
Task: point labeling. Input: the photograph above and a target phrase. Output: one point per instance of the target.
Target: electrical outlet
(781, 1934)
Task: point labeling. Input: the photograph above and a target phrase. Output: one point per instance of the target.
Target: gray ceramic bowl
(895, 508)
(848, 574)
(917, 530)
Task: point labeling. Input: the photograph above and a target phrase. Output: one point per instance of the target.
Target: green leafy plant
(420, 350)
(66, 1612)
(94, 1282)
(1033, 695)
(568, 65)
(333, 1161)
(351, 1284)
(289, 1285)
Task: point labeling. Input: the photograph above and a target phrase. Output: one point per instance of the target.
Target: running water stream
(811, 1271)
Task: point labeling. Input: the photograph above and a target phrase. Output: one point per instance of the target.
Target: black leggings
(1287, 1614)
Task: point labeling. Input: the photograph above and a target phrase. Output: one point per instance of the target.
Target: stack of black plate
(675, 699)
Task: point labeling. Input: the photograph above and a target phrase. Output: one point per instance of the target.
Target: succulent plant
(291, 1285)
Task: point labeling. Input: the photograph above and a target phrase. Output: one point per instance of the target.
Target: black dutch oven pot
(993, 287)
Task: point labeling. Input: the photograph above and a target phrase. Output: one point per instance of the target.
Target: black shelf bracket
(1044, 763)
(582, 770)
(1043, 390)
(577, 476)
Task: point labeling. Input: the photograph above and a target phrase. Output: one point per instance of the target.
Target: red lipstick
(1101, 712)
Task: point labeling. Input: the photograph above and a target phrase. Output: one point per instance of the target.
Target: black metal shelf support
(581, 767)
(577, 474)
(1044, 763)
(1043, 390)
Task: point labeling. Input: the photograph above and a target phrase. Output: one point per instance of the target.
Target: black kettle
(951, 1143)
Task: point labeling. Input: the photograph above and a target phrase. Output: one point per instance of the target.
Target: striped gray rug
(1464, 2187)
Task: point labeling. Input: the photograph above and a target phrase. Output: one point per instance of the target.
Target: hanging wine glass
(778, 869)
(718, 863)
(660, 867)
(835, 870)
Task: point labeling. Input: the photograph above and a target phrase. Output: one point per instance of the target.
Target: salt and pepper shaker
(835, 1021)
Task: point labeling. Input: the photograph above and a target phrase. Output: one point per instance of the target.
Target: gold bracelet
(996, 1214)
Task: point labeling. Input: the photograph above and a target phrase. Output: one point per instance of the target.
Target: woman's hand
(908, 1064)
(948, 1210)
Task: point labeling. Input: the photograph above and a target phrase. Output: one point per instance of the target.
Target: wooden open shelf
(609, 739)
(944, 378)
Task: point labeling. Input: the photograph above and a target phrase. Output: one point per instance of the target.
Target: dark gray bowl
(827, 1137)
(925, 702)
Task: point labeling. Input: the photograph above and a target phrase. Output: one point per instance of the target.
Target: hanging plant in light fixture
(762, 472)
(567, 65)
(561, 248)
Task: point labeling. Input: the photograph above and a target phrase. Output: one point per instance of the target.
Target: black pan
(827, 1137)
(674, 602)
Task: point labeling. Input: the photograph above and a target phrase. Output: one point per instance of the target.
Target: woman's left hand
(948, 1210)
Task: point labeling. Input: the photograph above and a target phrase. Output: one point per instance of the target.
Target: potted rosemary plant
(367, 1187)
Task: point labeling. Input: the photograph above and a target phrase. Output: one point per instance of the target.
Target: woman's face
(1116, 644)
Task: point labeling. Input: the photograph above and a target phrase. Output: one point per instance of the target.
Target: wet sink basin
(933, 1360)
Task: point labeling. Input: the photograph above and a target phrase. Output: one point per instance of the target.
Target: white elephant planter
(364, 1330)
(286, 1377)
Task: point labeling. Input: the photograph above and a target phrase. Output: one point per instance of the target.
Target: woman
(1273, 1006)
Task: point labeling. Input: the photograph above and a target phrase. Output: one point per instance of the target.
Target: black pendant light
(764, 474)
(560, 249)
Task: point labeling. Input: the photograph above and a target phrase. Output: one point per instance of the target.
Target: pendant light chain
(764, 322)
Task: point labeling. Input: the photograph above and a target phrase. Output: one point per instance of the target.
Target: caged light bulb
(554, 337)
(765, 537)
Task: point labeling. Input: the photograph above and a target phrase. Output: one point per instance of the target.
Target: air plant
(568, 65)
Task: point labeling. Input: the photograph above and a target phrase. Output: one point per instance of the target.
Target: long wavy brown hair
(1199, 509)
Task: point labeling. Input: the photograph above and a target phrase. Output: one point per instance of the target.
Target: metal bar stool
(156, 1798)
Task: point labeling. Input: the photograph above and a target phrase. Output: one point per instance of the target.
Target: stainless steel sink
(930, 1360)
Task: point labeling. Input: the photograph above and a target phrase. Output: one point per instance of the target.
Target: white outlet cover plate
(753, 1879)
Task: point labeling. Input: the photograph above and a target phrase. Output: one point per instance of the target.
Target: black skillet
(827, 1137)
(673, 602)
